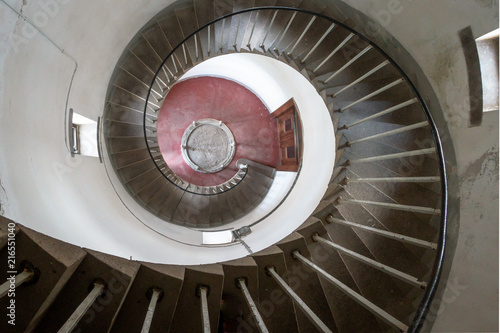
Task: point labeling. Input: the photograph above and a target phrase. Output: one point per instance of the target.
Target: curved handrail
(425, 303)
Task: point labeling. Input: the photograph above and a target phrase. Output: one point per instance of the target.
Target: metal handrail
(425, 303)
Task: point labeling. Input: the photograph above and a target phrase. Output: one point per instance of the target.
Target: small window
(290, 152)
(487, 47)
(288, 125)
(83, 135)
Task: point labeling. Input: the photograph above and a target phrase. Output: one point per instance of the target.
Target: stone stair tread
(276, 308)
(116, 272)
(234, 310)
(166, 278)
(306, 283)
(209, 275)
(53, 259)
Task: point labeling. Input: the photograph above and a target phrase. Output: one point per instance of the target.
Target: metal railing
(171, 69)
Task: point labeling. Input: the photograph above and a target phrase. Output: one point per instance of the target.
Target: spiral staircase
(367, 260)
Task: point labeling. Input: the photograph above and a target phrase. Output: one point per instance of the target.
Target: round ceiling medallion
(208, 146)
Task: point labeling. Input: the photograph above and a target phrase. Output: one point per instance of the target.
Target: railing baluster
(347, 39)
(151, 311)
(387, 111)
(237, 33)
(300, 303)
(349, 63)
(258, 319)
(354, 295)
(384, 233)
(375, 93)
(249, 44)
(318, 43)
(80, 311)
(175, 65)
(369, 73)
(373, 263)
(209, 40)
(203, 292)
(302, 35)
(166, 74)
(395, 180)
(406, 208)
(222, 35)
(197, 52)
(26, 275)
(184, 52)
(388, 133)
(393, 156)
(268, 29)
(276, 48)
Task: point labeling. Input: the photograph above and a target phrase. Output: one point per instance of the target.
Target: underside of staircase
(364, 261)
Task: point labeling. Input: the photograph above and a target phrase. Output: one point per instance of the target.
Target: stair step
(375, 285)
(55, 261)
(169, 280)
(115, 272)
(211, 276)
(276, 308)
(305, 284)
(234, 309)
(358, 319)
(387, 251)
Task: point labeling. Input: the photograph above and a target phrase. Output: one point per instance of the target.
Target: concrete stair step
(54, 262)
(118, 274)
(168, 279)
(211, 276)
(305, 283)
(387, 251)
(235, 312)
(276, 308)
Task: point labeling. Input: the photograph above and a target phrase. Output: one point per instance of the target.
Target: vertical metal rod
(166, 74)
(375, 93)
(387, 111)
(333, 52)
(269, 29)
(204, 310)
(222, 35)
(302, 35)
(318, 43)
(354, 295)
(253, 29)
(237, 32)
(209, 40)
(151, 311)
(22, 277)
(276, 48)
(388, 133)
(258, 319)
(300, 303)
(384, 233)
(395, 180)
(349, 63)
(393, 156)
(373, 263)
(197, 52)
(80, 311)
(185, 53)
(374, 70)
(406, 208)
(175, 65)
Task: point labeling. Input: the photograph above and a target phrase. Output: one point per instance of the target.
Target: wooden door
(290, 136)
